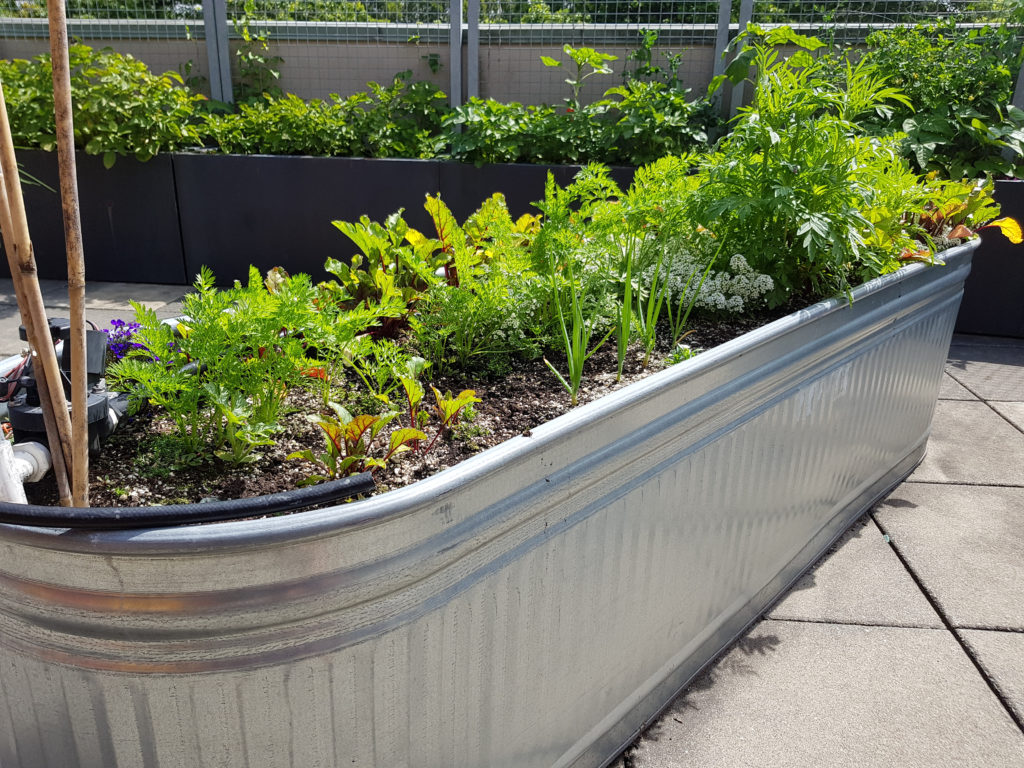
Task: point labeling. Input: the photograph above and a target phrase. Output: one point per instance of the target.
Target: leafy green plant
(448, 409)
(258, 69)
(957, 210)
(222, 373)
(646, 69)
(349, 444)
(288, 126)
(588, 62)
(481, 320)
(393, 268)
(556, 250)
(120, 107)
(650, 120)
(791, 186)
(402, 119)
(959, 83)
(234, 426)
(410, 381)
(378, 364)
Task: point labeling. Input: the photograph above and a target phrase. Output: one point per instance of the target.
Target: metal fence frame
(467, 36)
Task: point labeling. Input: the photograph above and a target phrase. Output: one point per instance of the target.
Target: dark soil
(133, 470)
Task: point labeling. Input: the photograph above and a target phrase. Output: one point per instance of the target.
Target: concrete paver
(794, 694)
(992, 369)
(966, 545)
(1012, 412)
(101, 295)
(812, 685)
(971, 443)
(860, 582)
(951, 389)
(1001, 654)
(103, 303)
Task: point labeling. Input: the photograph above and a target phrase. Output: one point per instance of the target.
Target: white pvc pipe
(24, 462)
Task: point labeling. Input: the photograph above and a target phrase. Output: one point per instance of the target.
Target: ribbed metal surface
(530, 607)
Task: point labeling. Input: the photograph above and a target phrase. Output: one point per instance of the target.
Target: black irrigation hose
(123, 518)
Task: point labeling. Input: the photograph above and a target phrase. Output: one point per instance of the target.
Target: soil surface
(134, 471)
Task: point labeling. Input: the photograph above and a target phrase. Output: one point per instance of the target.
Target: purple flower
(119, 338)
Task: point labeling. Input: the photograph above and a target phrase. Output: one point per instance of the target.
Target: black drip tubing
(125, 518)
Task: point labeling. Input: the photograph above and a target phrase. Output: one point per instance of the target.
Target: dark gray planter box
(993, 302)
(130, 228)
(272, 211)
(160, 221)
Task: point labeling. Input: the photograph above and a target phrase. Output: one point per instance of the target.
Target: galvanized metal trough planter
(533, 606)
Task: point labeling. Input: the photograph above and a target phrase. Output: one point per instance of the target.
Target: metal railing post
(455, 52)
(722, 36)
(746, 14)
(215, 28)
(721, 43)
(473, 49)
(1018, 102)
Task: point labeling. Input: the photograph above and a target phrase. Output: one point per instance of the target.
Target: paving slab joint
(964, 646)
(962, 483)
(1004, 417)
(841, 623)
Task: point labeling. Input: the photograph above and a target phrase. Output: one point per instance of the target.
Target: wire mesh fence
(848, 21)
(336, 46)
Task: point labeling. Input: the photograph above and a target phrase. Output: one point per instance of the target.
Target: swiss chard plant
(350, 444)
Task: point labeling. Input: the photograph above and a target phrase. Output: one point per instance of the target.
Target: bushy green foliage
(791, 187)
(287, 126)
(402, 119)
(223, 372)
(798, 200)
(632, 124)
(959, 83)
(489, 315)
(120, 107)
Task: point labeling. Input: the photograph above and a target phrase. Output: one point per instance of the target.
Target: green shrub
(959, 83)
(288, 126)
(120, 107)
(792, 188)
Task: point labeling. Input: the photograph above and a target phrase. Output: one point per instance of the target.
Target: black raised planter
(130, 228)
(993, 303)
(160, 221)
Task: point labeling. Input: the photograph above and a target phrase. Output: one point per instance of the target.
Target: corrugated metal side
(531, 607)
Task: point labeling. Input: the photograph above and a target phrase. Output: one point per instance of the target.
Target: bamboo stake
(60, 471)
(30, 304)
(52, 435)
(73, 246)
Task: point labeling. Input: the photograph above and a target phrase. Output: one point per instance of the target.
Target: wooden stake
(52, 435)
(22, 263)
(73, 246)
(60, 471)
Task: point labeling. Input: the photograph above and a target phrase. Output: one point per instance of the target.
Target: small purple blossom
(119, 338)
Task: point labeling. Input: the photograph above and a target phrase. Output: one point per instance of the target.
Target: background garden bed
(160, 221)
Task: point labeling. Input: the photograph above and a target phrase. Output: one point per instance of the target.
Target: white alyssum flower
(732, 289)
